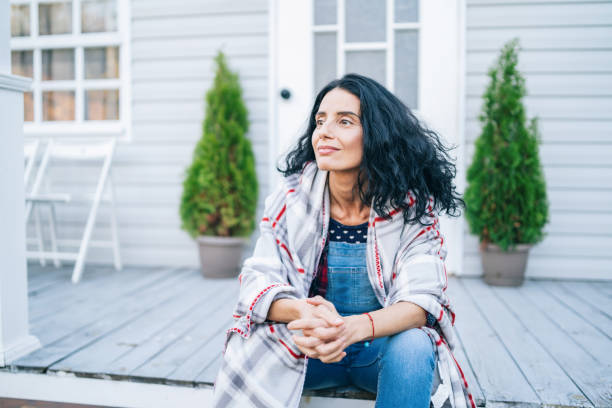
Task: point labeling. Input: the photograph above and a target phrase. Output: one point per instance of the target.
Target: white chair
(81, 151)
(30, 150)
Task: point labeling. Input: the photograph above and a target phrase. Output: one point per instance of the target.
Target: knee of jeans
(410, 347)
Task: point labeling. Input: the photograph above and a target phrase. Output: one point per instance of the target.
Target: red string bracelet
(367, 343)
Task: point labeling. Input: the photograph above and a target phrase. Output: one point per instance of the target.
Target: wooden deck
(547, 343)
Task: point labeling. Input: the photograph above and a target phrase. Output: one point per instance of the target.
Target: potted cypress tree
(506, 203)
(220, 188)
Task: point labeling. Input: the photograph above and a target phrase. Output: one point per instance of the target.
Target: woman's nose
(324, 130)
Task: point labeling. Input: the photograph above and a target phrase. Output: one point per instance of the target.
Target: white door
(412, 47)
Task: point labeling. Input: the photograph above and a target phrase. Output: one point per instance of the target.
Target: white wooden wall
(173, 44)
(567, 63)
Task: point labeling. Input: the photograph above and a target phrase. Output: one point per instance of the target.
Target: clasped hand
(325, 331)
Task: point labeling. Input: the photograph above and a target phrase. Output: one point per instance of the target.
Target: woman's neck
(346, 205)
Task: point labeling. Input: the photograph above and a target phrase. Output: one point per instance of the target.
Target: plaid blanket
(261, 365)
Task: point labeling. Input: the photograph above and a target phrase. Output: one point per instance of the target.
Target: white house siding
(173, 44)
(566, 58)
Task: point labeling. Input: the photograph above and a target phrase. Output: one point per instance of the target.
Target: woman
(350, 254)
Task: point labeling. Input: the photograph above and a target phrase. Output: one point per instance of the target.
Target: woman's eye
(347, 121)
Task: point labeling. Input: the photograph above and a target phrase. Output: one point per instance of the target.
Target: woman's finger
(332, 357)
(310, 352)
(308, 323)
(332, 318)
(328, 333)
(331, 348)
(320, 301)
(307, 341)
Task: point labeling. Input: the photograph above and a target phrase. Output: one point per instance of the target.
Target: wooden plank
(191, 369)
(588, 375)
(604, 287)
(46, 277)
(177, 334)
(84, 313)
(466, 366)
(586, 336)
(498, 375)
(209, 374)
(584, 310)
(69, 295)
(588, 294)
(546, 377)
(191, 353)
(96, 282)
(99, 320)
(92, 359)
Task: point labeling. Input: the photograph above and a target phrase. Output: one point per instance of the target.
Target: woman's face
(338, 137)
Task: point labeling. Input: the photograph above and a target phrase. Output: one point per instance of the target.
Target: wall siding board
(146, 9)
(566, 59)
(560, 130)
(198, 68)
(543, 38)
(550, 85)
(547, 61)
(525, 15)
(161, 48)
(222, 26)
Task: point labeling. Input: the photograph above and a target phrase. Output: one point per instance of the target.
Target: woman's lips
(326, 150)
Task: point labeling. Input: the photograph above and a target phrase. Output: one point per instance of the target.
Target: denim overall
(348, 285)
(408, 375)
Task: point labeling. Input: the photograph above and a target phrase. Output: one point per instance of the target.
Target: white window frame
(121, 129)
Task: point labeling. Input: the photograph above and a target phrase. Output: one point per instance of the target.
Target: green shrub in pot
(506, 202)
(220, 188)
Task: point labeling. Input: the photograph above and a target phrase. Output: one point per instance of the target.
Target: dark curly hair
(399, 153)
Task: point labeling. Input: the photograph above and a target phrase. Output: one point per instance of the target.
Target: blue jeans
(398, 368)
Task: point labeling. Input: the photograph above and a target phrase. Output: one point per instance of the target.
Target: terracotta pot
(504, 268)
(220, 257)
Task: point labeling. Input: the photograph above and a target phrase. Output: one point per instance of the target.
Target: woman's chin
(325, 166)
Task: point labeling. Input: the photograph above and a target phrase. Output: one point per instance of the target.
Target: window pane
(365, 21)
(54, 18)
(406, 67)
(57, 64)
(325, 59)
(28, 107)
(369, 63)
(324, 12)
(20, 20)
(98, 16)
(102, 105)
(406, 11)
(21, 63)
(102, 62)
(58, 105)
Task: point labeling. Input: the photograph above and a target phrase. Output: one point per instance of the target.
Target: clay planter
(503, 268)
(220, 257)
